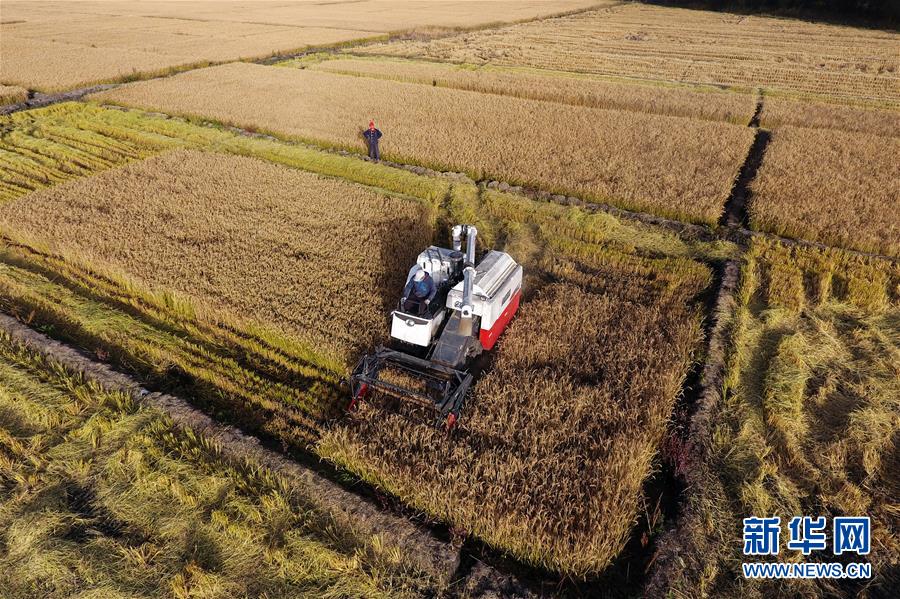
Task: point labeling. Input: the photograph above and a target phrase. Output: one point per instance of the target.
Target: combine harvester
(436, 339)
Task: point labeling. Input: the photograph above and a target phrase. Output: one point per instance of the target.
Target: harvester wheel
(451, 421)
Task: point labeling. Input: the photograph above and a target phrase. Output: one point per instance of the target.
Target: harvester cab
(437, 334)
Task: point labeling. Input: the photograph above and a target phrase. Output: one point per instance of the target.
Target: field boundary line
(681, 543)
(429, 554)
(736, 212)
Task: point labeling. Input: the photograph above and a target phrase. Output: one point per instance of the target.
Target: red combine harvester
(436, 334)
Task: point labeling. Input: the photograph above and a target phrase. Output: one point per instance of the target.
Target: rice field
(778, 111)
(241, 235)
(708, 103)
(12, 94)
(808, 419)
(217, 233)
(676, 167)
(834, 187)
(562, 433)
(103, 497)
(688, 46)
(53, 46)
(140, 213)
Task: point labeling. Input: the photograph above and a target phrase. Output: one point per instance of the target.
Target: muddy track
(39, 100)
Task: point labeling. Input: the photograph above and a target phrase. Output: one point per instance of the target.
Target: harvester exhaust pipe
(467, 311)
(456, 232)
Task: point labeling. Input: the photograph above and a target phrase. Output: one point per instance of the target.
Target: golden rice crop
(778, 111)
(102, 497)
(568, 88)
(314, 256)
(58, 56)
(671, 166)
(558, 438)
(371, 15)
(835, 187)
(674, 44)
(12, 94)
(47, 145)
(51, 47)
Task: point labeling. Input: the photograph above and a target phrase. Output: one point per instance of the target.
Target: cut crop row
(807, 422)
(675, 44)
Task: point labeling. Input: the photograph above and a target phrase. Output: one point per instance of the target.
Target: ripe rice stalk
(834, 187)
(686, 46)
(558, 86)
(671, 166)
(108, 498)
(241, 235)
(778, 111)
(12, 94)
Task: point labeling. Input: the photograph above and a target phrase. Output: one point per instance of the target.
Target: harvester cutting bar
(446, 387)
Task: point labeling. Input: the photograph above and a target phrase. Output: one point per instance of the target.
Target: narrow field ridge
(440, 559)
(682, 543)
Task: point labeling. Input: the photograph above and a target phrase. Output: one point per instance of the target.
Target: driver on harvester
(418, 293)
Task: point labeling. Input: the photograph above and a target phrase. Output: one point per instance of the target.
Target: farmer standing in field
(372, 136)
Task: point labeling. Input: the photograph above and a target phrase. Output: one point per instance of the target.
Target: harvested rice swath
(690, 46)
(671, 166)
(105, 497)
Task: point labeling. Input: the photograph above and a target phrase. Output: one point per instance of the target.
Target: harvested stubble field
(55, 46)
(835, 187)
(242, 236)
(558, 86)
(102, 497)
(671, 166)
(808, 423)
(778, 111)
(673, 44)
